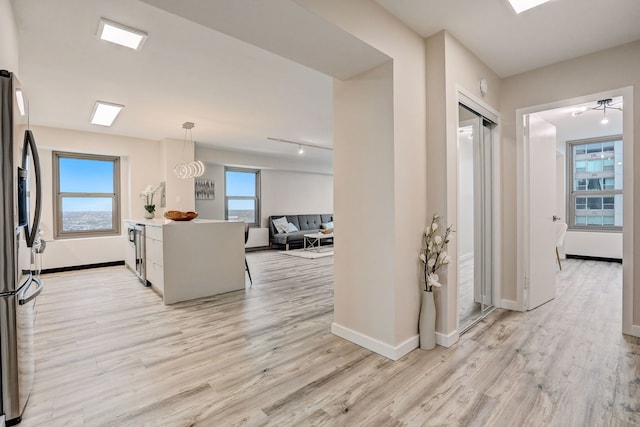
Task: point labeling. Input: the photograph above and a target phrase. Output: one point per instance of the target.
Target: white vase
(148, 215)
(427, 324)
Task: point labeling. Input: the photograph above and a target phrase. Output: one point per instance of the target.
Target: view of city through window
(85, 194)
(596, 196)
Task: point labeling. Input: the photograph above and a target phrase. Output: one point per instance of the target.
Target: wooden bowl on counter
(180, 215)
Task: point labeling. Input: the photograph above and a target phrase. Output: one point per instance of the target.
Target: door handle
(21, 296)
(556, 218)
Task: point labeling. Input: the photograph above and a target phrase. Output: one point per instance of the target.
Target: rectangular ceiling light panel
(121, 34)
(104, 113)
(523, 5)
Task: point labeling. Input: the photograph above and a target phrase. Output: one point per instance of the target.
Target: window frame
(256, 198)
(58, 232)
(586, 193)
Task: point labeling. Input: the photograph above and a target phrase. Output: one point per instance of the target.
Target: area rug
(310, 254)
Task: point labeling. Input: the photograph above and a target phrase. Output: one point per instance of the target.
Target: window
(86, 195)
(242, 195)
(594, 182)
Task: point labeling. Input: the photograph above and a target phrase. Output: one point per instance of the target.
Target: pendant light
(192, 169)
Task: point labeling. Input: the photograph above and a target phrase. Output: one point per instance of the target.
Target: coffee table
(314, 240)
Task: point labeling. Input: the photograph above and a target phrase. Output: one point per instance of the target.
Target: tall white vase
(427, 324)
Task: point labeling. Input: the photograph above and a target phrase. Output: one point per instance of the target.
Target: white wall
(140, 166)
(568, 80)
(452, 68)
(9, 58)
(380, 181)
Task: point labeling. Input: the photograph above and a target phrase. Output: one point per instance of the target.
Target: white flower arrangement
(147, 195)
(433, 253)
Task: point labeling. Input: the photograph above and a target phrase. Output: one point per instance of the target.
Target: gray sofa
(305, 224)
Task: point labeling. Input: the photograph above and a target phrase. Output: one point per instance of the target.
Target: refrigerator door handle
(30, 145)
(21, 295)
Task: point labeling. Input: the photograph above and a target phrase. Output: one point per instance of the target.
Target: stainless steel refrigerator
(20, 211)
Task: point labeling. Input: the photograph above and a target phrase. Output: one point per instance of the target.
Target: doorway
(475, 217)
(602, 213)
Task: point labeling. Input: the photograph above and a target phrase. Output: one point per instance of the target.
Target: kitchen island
(186, 260)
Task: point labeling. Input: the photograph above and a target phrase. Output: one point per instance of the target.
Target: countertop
(158, 222)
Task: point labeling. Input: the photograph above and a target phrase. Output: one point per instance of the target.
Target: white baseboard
(510, 305)
(634, 331)
(447, 340)
(383, 349)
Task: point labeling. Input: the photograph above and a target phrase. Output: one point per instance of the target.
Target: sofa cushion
(327, 225)
(326, 217)
(309, 222)
(280, 224)
(290, 228)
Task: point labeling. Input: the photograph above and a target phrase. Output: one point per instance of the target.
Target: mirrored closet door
(474, 233)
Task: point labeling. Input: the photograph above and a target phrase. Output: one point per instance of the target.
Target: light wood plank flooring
(109, 353)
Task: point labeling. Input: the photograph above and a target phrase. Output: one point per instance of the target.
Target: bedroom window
(594, 183)
(242, 195)
(86, 195)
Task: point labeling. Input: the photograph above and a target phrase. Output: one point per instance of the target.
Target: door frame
(522, 178)
(467, 98)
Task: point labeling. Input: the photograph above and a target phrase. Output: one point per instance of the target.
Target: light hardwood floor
(109, 353)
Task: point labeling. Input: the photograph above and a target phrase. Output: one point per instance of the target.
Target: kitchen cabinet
(194, 259)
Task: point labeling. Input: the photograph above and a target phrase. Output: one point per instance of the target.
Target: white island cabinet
(194, 259)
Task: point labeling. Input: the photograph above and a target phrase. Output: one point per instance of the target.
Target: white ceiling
(511, 44)
(585, 125)
(201, 64)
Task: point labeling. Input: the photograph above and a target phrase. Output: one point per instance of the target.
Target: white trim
(383, 349)
(447, 340)
(634, 331)
(477, 105)
(511, 305)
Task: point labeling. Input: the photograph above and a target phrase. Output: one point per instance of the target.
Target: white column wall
(364, 208)
(398, 237)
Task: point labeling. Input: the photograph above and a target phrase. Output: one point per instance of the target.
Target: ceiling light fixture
(300, 144)
(104, 113)
(523, 5)
(192, 169)
(121, 34)
(603, 105)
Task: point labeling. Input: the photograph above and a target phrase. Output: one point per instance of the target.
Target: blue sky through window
(86, 176)
(241, 184)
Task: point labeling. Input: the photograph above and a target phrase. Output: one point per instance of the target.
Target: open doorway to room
(584, 182)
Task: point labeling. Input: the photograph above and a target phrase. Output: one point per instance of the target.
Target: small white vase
(427, 324)
(148, 215)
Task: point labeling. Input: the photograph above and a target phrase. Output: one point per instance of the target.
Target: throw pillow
(280, 224)
(290, 228)
(326, 225)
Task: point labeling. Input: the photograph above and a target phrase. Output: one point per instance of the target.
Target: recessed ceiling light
(121, 34)
(523, 5)
(104, 113)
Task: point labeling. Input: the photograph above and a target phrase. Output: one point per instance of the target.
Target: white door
(540, 196)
